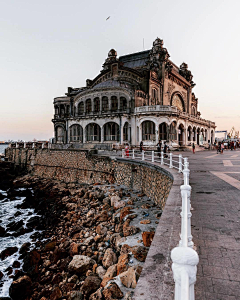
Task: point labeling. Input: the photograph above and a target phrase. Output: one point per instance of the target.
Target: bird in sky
(108, 18)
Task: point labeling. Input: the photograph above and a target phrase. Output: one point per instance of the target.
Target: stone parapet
(72, 165)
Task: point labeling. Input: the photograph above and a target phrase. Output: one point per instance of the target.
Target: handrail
(185, 259)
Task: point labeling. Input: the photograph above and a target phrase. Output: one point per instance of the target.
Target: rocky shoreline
(93, 244)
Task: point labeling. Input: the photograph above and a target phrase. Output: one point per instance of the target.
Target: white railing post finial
(180, 163)
(170, 164)
(123, 153)
(133, 154)
(162, 162)
(143, 155)
(185, 261)
(152, 156)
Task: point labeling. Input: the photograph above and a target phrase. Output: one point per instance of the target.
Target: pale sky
(47, 46)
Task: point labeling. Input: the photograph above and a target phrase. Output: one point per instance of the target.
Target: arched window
(93, 132)
(96, 105)
(173, 132)
(105, 106)
(81, 108)
(193, 111)
(88, 106)
(125, 131)
(59, 134)
(76, 133)
(178, 102)
(154, 96)
(111, 132)
(148, 131)
(123, 103)
(114, 103)
(163, 131)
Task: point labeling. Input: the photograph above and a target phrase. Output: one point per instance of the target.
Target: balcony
(156, 108)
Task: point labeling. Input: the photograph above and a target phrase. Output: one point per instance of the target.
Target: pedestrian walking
(219, 148)
(127, 150)
(159, 147)
(141, 146)
(222, 148)
(193, 148)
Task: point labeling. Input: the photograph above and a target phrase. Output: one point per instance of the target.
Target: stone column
(102, 134)
(100, 99)
(84, 134)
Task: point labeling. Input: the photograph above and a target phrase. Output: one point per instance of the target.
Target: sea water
(7, 211)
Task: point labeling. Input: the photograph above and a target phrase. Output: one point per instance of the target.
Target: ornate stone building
(138, 97)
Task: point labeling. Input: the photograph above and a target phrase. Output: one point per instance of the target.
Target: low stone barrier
(73, 165)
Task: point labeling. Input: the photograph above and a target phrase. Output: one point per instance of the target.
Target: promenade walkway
(215, 181)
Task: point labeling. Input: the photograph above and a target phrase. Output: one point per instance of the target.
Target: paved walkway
(215, 181)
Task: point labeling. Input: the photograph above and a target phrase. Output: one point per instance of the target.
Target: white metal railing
(185, 259)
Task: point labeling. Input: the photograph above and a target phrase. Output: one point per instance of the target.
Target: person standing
(159, 146)
(193, 148)
(165, 150)
(141, 146)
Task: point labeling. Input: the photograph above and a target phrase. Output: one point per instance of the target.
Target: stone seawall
(83, 167)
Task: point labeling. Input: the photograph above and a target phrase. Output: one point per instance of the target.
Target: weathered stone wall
(82, 166)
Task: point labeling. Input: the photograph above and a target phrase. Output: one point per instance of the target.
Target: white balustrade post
(42, 145)
(24, 145)
(152, 156)
(17, 145)
(49, 145)
(170, 164)
(185, 261)
(162, 162)
(33, 145)
(123, 153)
(143, 158)
(10, 145)
(180, 163)
(133, 154)
(186, 171)
(186, 215)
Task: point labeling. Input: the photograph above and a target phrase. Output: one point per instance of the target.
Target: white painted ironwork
(184, 258)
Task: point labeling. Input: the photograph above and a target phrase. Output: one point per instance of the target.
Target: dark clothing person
(193, 148)
(141, 146)
(165, 150)
(159, 146)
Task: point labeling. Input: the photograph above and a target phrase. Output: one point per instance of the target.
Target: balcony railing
(160, 108)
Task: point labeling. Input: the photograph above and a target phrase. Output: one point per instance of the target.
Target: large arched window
(88, 106)
(114, 103)
(81, 108)
(105, 105)
(163, 131)
(76, 133)
(93, 132)
(59, 134)
(178, 102)
(96, 104)
(148, 131)
(111, 132)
